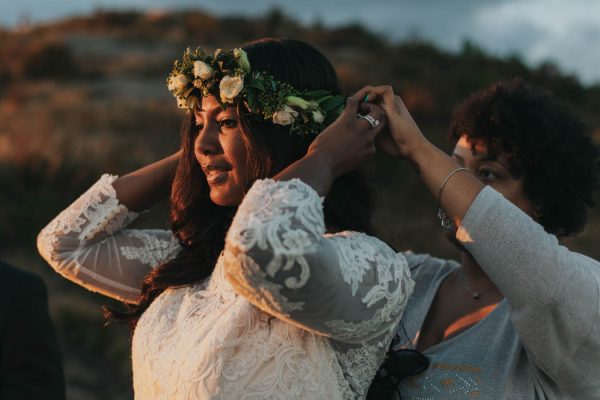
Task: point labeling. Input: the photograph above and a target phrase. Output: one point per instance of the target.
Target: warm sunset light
(280, 199)
(468, 320)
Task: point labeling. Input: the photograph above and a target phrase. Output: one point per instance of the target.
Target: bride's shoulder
(362, 242)
(425, 266)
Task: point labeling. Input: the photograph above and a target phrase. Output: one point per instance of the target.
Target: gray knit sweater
(543, 339)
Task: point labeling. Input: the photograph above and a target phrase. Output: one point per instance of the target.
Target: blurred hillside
(87, 95)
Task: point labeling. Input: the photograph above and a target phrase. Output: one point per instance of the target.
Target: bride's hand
(349, 141)
(402, 135)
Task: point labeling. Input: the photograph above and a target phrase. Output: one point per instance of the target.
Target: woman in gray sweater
(518, 317)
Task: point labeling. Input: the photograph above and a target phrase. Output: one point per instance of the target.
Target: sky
(566, 32)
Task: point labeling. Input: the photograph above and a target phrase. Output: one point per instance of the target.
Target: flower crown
(228, 76)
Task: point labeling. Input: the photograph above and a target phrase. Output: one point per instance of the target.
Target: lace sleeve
(350, 286)
(86, 243)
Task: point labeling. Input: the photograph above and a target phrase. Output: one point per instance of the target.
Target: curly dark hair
(546, 145)
(201, 225)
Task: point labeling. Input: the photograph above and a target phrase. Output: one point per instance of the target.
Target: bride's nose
(207, 141)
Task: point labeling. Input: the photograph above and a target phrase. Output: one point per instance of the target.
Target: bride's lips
(216, 173)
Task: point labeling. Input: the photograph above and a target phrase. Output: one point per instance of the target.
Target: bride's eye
(228, 123)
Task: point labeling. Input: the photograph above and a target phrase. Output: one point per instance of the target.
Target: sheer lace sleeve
(86, 243)
(349, 286)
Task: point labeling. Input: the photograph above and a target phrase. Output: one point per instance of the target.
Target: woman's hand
(402, 137)
(340, 148)
(349, 141)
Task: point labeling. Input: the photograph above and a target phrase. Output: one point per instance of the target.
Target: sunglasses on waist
(398, 365)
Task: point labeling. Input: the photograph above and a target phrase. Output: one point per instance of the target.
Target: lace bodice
(288, 313)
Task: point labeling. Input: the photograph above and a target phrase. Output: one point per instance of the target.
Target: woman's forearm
(433, 167)
(312, 169)
(404, 139)
(141, 189)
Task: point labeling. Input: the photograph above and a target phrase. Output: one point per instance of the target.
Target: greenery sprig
(228, 76)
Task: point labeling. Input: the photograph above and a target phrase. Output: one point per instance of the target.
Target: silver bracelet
(446, 181)
(446, 222)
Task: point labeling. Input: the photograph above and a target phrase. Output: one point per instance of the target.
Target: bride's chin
(225, 197)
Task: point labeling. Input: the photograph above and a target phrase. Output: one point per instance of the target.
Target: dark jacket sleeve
(30, 359)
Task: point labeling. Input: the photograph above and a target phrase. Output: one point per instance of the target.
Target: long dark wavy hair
(200, 225)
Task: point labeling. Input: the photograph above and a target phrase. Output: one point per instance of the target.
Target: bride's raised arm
(88, 244)
(348, 286)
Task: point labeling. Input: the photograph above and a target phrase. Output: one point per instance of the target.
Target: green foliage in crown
(228, 76)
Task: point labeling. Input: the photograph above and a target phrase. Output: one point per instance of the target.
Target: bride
(268, 285)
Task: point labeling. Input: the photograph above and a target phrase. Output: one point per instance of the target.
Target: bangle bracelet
(446, 222)
(446, 181)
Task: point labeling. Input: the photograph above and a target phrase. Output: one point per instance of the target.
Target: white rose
(285, 116)
(230, 87)
(177, 82)
(318, 116)
(242, 59)
(297, 101)
(202, 70)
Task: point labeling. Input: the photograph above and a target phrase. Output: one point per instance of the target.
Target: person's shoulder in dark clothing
(30, 359)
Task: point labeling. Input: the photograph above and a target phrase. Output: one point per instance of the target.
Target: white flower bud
(297, 102)
(318, 116)
(242, 59)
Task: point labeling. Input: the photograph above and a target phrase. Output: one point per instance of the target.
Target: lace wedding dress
(288, 313)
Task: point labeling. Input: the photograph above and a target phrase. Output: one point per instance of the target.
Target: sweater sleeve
(553, 293)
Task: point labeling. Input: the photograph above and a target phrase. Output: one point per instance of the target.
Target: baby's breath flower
(198, 83)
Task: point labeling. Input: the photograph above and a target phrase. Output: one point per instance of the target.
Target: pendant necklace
(474, 293)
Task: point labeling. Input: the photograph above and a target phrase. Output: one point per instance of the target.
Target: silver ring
(374, 122)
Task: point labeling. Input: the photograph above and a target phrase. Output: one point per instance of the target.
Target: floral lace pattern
(335, 298)
(87, 243)
(87, 216)
(153, 251)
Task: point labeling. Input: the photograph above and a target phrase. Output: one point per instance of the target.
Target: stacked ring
(374, 122)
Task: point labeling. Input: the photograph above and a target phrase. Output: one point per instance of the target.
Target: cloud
(567, 33)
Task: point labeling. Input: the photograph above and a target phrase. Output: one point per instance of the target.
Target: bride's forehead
(210, 105)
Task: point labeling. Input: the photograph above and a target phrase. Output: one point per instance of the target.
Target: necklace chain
(474, 293)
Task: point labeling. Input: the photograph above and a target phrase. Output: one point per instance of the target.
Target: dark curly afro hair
(546, 145)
